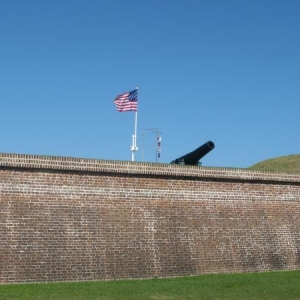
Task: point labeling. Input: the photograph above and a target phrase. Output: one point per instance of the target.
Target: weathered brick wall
(64, 219)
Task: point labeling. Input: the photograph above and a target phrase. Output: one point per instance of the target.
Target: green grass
(270, 285)
(288, 164)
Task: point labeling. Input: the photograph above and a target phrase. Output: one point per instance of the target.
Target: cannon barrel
(193, 157)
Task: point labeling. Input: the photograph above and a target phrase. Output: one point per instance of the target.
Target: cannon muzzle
(194, 157)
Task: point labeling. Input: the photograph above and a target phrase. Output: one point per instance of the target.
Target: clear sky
(226, 71)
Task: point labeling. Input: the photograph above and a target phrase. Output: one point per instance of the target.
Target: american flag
(127, 101)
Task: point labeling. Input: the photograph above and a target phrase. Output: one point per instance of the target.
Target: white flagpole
(134, 146)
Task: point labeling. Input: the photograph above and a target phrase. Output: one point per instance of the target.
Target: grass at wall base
(269, 285)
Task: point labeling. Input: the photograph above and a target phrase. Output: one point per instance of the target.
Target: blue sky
(226, 71)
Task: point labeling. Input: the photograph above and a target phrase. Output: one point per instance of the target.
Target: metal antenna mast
(158, 140)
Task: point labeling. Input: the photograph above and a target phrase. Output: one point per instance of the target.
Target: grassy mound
(287, 164)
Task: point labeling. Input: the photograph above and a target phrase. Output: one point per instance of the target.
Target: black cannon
(194, 157)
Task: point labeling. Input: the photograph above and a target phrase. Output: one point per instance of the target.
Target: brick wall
(65, 219)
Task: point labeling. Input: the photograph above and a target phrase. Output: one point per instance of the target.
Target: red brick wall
(64, 219)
